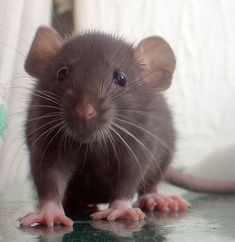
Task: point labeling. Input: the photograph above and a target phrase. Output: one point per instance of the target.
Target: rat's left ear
(157, 62)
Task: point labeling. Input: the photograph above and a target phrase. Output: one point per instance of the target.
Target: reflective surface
(211, 218)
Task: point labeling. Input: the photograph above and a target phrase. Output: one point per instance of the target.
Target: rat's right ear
(46, 43)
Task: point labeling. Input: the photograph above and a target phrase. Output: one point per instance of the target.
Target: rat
(98, 127)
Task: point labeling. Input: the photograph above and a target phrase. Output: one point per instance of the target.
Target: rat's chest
(95, 184)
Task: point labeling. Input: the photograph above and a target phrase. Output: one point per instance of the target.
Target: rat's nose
(85, 112)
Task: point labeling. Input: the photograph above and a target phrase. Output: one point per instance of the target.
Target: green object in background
(3, 120)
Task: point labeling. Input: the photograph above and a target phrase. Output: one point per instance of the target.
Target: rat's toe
(114, 214)
(30, 219)
(45, 218)
(183, 204)
(156, 201)
(101, 214)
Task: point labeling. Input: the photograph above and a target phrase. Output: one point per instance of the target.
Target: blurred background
(202, 96)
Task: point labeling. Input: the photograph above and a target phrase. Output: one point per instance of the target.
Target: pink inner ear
(157, 62)
(46, 43)
(158, 80)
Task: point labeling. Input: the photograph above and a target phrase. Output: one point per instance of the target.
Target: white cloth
(18, 23)
(202, 36)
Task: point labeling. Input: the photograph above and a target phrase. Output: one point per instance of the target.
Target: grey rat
(98, 128)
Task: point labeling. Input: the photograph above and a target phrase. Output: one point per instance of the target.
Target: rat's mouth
(87, 134)
(88, 131)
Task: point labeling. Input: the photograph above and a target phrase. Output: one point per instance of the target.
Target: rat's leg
(119, 209)
(51, 180)
(150, 200)
(120, 206)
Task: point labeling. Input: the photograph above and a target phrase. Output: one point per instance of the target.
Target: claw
(155, 201)
(119, 210)
(133, 214)
(50, 215)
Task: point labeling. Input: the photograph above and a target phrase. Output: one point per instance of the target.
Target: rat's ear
(46, 43)
(157, 62)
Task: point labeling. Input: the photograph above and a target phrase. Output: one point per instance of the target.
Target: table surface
(211, 218)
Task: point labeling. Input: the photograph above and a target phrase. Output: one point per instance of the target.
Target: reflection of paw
(155, 201)
(121, 228)
(50, 215)
(112, 214)
(56, 233)
(163, 217)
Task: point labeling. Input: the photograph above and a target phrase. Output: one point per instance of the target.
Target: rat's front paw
(156, 201)
(50, 215)
(112, 214)
(119, 209)
(46, 219)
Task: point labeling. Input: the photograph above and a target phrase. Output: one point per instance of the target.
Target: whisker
(57, 100)
(42, 117)
(9, 81)
(140, 143)
(66, 137)
(15, 164)
(51, 93)
(31, 79)
(124, 91)
(110, 137)
(34, 131)
(46, 98)
(13, 48)
(106, 150)
(47, 132)
(42, 95)
(61, 143)
(142, 112)
(146, 131)
(44, 106)
(84, 160)
(59, 130)
(23, 112)
(132, 152)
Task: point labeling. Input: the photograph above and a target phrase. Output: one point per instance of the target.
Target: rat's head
(92, 76)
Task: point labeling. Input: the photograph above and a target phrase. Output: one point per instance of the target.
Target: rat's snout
(85, 111)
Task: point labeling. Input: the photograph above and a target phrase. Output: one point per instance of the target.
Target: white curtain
(202, 96)
(203, 93)
(18, 23)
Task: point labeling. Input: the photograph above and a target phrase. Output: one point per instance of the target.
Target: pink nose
(85, 112)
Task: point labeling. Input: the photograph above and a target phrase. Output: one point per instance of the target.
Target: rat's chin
(84, 136)
(91, 132)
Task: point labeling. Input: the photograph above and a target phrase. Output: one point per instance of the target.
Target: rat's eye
(63, 73)
(119, 78)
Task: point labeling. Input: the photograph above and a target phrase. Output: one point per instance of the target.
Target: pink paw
(50, 215)
(155, 201)
(112, 214)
